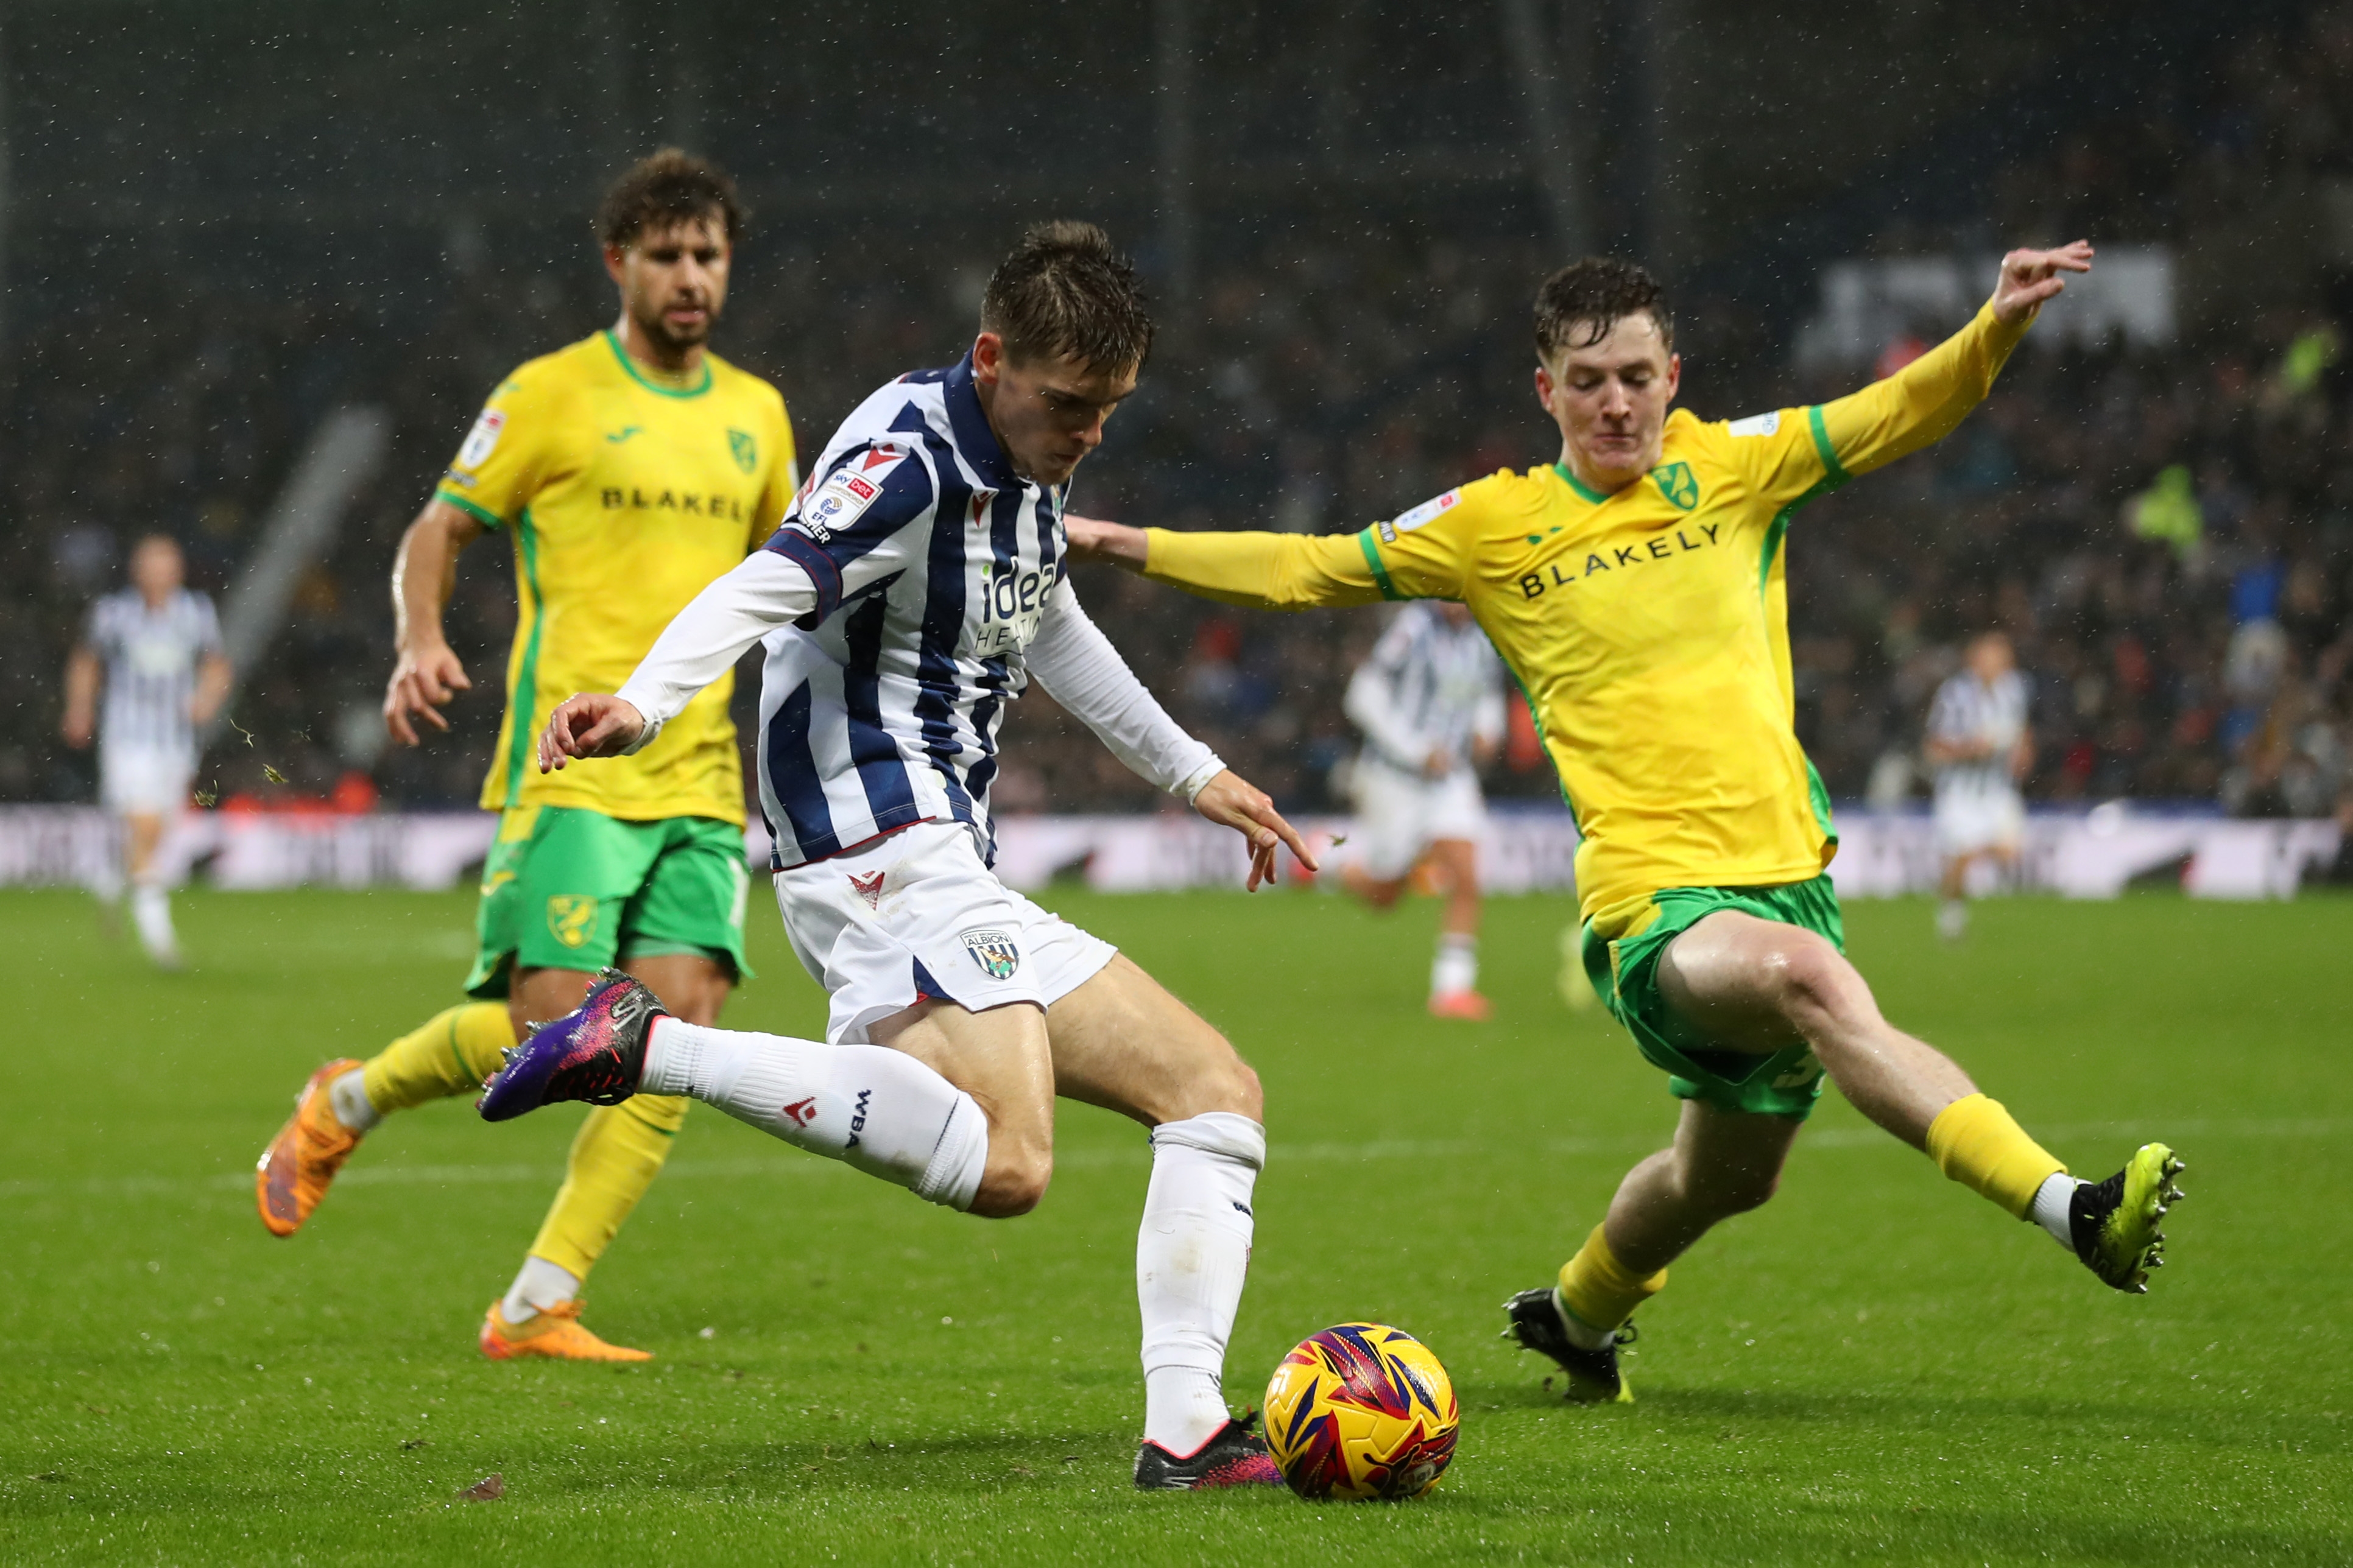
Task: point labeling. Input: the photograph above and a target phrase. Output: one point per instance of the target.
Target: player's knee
(1810, 981)
(1014, 1184)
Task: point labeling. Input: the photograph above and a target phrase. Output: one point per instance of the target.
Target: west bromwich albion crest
(994, 950)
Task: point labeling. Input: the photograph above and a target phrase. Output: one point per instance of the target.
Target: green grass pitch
(1876, 1367)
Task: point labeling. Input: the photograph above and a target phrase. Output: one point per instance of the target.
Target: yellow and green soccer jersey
(625, 497)
(1649, 628)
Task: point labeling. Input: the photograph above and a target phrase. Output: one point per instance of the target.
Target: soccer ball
(1361, 1410)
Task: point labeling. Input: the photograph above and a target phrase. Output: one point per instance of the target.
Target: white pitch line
(1827, 1138)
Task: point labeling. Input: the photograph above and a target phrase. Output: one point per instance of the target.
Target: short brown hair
(1596, 294)
(1064, 290)
(667, 188)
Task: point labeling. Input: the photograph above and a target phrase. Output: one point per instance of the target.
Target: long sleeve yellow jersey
(1649, 628)
(625, 497)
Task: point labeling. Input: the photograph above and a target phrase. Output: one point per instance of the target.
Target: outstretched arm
(1259, 570)
(1924, 402)
(701, 645)
(1080, 669)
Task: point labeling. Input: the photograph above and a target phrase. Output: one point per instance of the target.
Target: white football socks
(1192, 1253)
(867, 1105)
(2050, 1206)
(1581, 1334)
(1456, 967)
(540, 1285)
(347, 1097)
(151, 914)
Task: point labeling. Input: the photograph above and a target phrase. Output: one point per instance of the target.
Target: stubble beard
(659, 331)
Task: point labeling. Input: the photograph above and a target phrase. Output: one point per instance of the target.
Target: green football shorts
(1624, 968)
(569, 889)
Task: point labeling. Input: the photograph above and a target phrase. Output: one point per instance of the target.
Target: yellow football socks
(1974, 1142)
(616, 1157)
(1602, 1291)
(452, 1054)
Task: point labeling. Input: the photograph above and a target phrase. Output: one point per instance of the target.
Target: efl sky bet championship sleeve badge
(846, 493)
(993, 950)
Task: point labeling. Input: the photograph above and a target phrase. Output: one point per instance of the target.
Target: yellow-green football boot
(2114, 1222)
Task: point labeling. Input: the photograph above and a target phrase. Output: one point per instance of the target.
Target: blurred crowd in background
(2165, 533)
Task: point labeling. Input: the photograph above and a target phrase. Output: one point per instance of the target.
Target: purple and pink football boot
(595, 1053)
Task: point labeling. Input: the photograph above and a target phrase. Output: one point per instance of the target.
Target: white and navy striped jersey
(1429, 685)
(916, 588)
(150, 658)
(1969, 710)
(934, 564)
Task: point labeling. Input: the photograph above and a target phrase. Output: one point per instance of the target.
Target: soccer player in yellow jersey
(628, 471)
(1636, 589)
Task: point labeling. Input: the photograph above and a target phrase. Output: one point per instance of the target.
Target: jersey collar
(648, 383)
(970, 424)
(1580, 486)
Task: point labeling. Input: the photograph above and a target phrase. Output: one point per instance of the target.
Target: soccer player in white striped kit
(1980, 746)
(917, 585)
(1429, 702)
(155, 650)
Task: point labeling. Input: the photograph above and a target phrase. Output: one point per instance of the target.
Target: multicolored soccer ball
(1361, 1410)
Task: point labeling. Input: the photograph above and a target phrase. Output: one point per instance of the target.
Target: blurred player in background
(1429, 701)
(918, 587)
(1637, 589)
(630, 469)
(155, 650)
(1980, 747)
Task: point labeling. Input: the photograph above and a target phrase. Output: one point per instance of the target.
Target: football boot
(554, 1332)
(1235, 1456)
(2114, 1222)
(1468, 1005)
(294, 1171)
(1537, 1323)
(595, 1053)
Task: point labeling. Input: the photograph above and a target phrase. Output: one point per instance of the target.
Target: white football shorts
(1399, 815)
(1970, 820)
(915, 914)
(144, 780)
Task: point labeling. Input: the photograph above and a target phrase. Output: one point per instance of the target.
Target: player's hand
(1091, 539)
(591, 724)
(1232, 801)
(1438, 765)
(2031, 277)
(78, 729)
(422, 684)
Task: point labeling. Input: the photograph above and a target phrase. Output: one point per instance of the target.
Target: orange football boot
(305, 1155)
(1467, 1005)
(556, 1332)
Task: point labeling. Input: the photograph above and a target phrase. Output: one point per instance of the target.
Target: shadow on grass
(989, 1461)
(1908, 1412)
